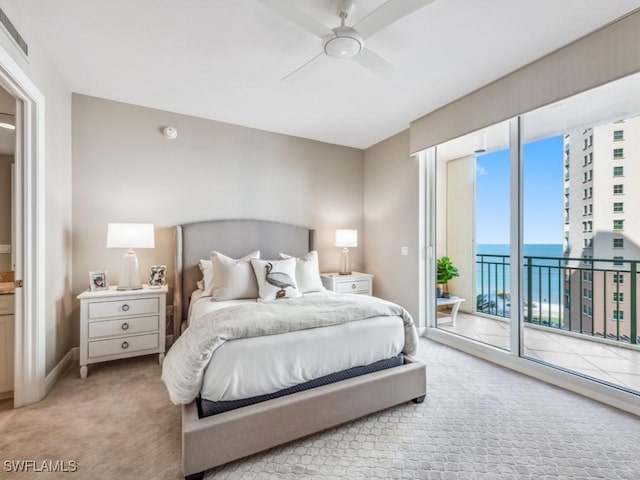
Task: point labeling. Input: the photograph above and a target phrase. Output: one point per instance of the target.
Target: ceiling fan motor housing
(344, 43)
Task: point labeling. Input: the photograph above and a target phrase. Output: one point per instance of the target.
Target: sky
(543, 194)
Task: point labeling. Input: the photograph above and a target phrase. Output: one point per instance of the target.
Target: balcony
(579, 314)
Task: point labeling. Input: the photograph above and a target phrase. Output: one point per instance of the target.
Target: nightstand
(120, 324)
(355, 283)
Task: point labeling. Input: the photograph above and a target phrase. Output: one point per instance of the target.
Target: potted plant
(446, 271)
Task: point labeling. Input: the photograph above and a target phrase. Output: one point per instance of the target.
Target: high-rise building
(601, 226)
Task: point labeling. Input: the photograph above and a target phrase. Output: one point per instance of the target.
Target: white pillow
(206, 267)
(276, 278)
(307, 272)
(233, 279)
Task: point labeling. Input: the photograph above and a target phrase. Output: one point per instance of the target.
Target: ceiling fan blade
(375, 63)
(300, 67)
(289, 11)
(386, 14)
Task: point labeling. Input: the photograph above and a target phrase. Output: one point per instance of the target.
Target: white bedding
(250, 367)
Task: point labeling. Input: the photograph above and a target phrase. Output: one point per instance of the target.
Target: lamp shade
(346, 238)
(130, 235)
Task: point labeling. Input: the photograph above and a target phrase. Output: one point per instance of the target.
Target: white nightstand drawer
(6, 304)
(141, 306)
(358, 286)
(123, 326)
(123, 345)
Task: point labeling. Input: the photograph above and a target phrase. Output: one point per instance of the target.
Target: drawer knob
(125, 307)
(125, 345)
(353, 286)
(125, 326)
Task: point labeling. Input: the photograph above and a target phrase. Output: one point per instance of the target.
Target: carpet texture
(479, 421)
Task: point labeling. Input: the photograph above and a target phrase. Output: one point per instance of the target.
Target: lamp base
(122, 289)
(345, 264)
(129, 272)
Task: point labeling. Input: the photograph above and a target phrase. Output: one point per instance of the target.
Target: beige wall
(124, 170)
(391, 221)
(57, 181)
(5, 210)
(459, 224)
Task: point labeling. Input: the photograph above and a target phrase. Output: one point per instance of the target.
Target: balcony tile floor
(607, 362)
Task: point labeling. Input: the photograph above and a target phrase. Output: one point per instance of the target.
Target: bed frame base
(212, 441)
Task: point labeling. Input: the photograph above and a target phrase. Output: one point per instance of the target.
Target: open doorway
(7, 248)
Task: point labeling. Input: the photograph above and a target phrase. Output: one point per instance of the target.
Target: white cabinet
(119, 324)
(354, 283)
(6, 343)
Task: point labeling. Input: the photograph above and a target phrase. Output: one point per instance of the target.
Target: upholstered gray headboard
(234, 238)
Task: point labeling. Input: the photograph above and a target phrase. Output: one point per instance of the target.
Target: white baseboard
(55, 374)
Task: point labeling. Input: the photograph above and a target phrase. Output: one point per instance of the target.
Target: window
(584, 210)
(618, 243)
(588, 242)
(585, 160)
(618, 153)
(618, 135)
(590, 157)
(618, 296)
(590, 192)
(617, 261)
(618, 224)
(590, 140)
(618, 189)
(590, 174)
(585, 143)
(590, 208)
(584, 177)
(590, 226)
(618, 278)
(618, 315)
(585, 193)
(618, 171)
(584, 226)
(618, 207)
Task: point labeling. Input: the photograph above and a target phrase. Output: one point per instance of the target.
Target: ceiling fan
(349, 41)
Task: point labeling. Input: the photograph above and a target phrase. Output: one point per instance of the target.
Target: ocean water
(492, 278)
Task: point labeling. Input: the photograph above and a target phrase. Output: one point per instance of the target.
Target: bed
(212, 436)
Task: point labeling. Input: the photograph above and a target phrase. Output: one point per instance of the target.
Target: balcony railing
(595, 297)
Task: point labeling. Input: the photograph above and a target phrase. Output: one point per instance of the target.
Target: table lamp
(130, 236)
(346, 238)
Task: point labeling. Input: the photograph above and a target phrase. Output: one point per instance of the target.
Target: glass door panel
(581, 177)
(472, 233)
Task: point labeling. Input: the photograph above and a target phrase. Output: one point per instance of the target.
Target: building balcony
(573, 314)
(608, 362)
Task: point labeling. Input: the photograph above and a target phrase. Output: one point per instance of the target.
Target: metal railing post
(529, 291)
(634, 313)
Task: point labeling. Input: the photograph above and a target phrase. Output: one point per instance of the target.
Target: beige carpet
(479, 421)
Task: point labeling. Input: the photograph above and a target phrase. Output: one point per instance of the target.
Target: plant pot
(439, 292)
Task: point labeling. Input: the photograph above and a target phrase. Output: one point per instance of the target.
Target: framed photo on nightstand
(98, 280)
(157, 276)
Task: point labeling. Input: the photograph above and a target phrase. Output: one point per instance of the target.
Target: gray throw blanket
(184, 365)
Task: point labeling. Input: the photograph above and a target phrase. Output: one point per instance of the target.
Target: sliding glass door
(473, 211)
(558, 190)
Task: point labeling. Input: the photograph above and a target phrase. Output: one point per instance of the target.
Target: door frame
(29, 246)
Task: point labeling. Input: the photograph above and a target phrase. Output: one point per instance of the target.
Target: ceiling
(223, 59)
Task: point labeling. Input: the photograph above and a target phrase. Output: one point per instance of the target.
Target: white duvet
(255, 366)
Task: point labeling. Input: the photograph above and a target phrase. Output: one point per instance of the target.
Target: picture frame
(157, 276)
(98, 280)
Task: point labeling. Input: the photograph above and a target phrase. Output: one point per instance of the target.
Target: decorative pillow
(307, 272)
(233, 279)
(206, 267)
(276, 278)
